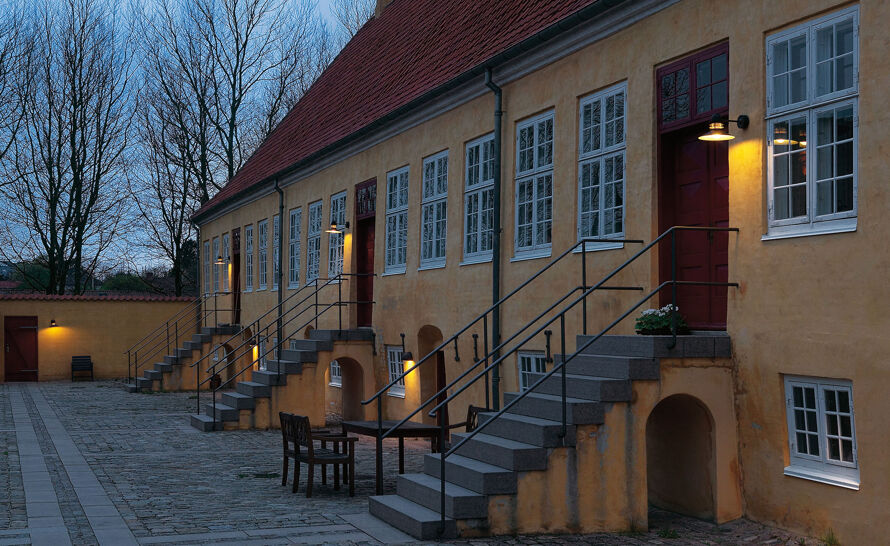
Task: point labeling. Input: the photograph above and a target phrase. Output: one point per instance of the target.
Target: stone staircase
(234, 407)
(156, 378)
(484, 474)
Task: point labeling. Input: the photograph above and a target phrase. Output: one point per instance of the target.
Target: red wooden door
(20, 348)
(364, 235)
(696, 193)
(236, 275)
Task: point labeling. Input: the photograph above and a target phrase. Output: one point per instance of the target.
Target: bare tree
(66, 165)
(352, 15)
(13, 57)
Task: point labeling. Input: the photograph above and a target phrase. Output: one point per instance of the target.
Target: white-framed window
(396, 253)
(313, 242)
(263, 252)
(226, 254)
(248, 258)
(821, 430)
(335, 243)
(215, 265)
(206, 267)
(530, 363)
(336, 374)
(293, 250)
(812, 106)
(479, 200)
(601, 165)
(434, 211)
(534, 186)
(395, 366)
(276, 249)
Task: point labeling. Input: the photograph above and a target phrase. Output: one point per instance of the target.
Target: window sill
(821, 477)
(400, 271)
(472, 260)
(293, 286)
(433, 265)
(338, 385)
(261, 289)
(247, 290)
(596, 247)
(532, 255)
(396, 394)
(828, 227)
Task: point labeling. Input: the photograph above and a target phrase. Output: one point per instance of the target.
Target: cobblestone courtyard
(88, 463)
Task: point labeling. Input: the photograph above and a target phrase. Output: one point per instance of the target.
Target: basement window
(336, 375)
(530, 363)
(821, 431)
(394, 365)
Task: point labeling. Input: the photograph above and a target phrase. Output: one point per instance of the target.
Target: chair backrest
(286, 428)
(302, 433)
(473, 417)
(81, 359)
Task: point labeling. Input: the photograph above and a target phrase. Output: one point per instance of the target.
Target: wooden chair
(81, 364)
(296, 432)
(471, 422)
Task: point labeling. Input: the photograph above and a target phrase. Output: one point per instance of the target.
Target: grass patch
(830, 539)
(667, 532)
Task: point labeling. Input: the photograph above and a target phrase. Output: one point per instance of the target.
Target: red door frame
(14, 328)
(695, 122)
(365, 224)
(236, 275)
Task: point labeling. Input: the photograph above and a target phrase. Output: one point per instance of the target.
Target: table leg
(401, 455)
(379, 465)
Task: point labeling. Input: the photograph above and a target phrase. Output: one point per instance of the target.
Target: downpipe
(496, 238)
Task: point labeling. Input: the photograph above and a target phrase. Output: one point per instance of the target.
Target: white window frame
(809, 108)
(276, 249)
(396, 247)
(539, 170)
(478, 183)
(537, 362)
(295, 221)
(599, 157)
(434, 211)
(206, 267)
(313, 242)
(395, 366)
(336, 241)
(820, 467)
(336, 375)
(248, 258)
(226, 261)
(215, 265)
(263, 253)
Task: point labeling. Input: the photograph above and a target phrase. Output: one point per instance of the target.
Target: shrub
(658, 321)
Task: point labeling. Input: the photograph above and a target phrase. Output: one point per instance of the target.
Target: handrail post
(584, 285)
(340, 302)
(317, 288)
(562, 335)
(379, 458)
(493, 398)
(198, 390)
(673, 289)
(442, 452)
(167, 324)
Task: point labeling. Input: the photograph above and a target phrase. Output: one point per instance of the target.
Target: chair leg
(337, 477)
(324, 467)
(351, 468)
(296, 475)
(309, 480)
(284, 470)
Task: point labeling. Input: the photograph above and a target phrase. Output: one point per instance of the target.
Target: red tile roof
(91, 297)
(414, 47)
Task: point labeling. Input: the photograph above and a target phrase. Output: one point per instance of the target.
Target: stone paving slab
(128, 468)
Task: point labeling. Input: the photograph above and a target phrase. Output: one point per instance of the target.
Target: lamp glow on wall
(718, 130)
(337, 228)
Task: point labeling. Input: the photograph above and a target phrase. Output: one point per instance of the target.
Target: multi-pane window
(206, 267)
(821, 430)
(396, 221)
(276, 249)
(395, 366)
(434, 210)
(313, 242)
(335, 243)
(530, 363)
(226, 260)
(293, 250)
(534, 185)
(336, 374)
(248, 258)
(812, 103)
(693, 89)
(216, 266)
(479, 200)
(263, 252)
(601, 168)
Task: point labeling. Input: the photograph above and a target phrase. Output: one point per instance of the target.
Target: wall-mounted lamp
(52, 323)
(219, 260)
(406, 355)
(718, 128)
(336, 228)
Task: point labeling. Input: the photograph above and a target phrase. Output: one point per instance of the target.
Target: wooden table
(407, 430)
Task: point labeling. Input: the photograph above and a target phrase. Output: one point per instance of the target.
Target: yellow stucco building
(454, 150)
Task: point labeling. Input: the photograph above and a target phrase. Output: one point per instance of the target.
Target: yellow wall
(811, 306)
(103, 329)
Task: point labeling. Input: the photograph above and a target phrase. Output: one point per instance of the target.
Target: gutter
(279, 276)
(496, 239)
(572, 21)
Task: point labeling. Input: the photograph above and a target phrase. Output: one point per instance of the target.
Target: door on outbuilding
(20, 348)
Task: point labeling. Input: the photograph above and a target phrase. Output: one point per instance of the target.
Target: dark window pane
(801, 442)
(682, 81)
(718, 93)
(798, 397)
(844, 194)
(798, 167)
(718, 68)
(845, 159)
(814, 445)
(845, 124)
(830, 401)
(843, 401)
(831, 423)
(799, 202)
(846, 429)
(834, 449)
(669, 112)
(682, 106)
(811, 422)
(703, 73)
(702, 100)
(847, 450)
(799, 420)
(667, 86)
